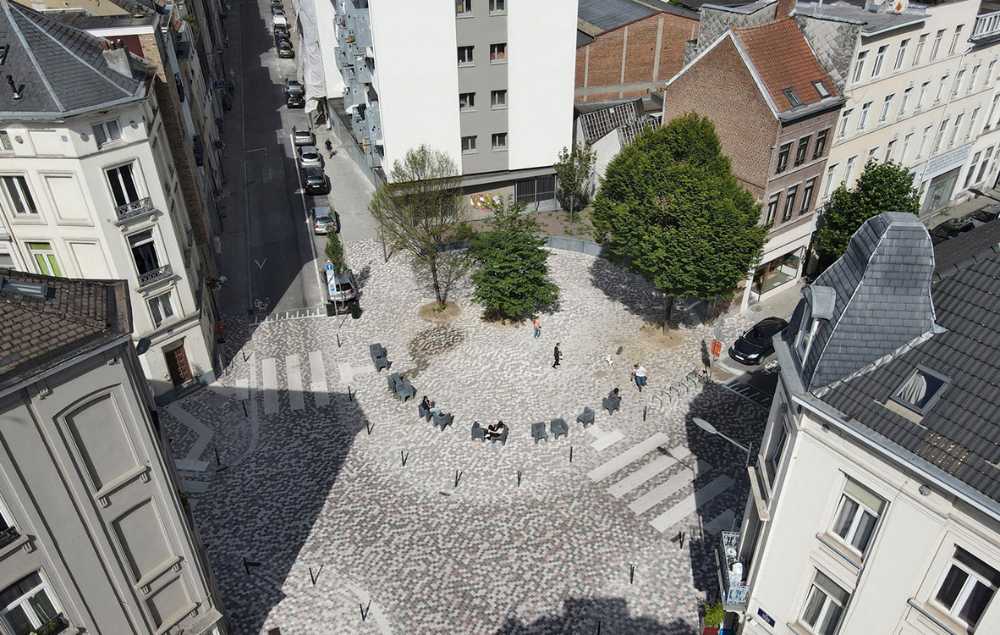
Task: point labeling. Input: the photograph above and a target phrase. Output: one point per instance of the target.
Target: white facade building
(875, 504)
(923, 89)
(88, 189)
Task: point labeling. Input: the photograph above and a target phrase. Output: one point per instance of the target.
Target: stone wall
(833, 43)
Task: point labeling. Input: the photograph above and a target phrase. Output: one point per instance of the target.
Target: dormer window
(792, 98)
(920, 391)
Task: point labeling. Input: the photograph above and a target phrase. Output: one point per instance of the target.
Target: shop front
(775, 274)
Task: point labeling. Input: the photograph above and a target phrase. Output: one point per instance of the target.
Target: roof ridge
(16, 28)
(757, 27)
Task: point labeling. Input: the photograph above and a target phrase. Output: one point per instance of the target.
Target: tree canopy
(671, 209)
(882, 187)
(575, 174)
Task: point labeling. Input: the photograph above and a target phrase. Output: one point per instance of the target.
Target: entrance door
(177, 365)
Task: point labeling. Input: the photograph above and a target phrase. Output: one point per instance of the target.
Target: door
(123, 186)
(177, 365)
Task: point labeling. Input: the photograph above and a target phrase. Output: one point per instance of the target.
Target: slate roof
(75, 316)
(611, 14)
(61, 68)
(782, 59)
(955, 251)
(854, 13)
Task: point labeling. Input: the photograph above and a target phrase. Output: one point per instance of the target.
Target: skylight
(920, 391)
(27, 289)
(792, 98)
(821, 89)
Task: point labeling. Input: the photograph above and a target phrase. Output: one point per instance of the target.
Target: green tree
(882, 187)
(575, 173)
(511, 279)
(334, 250)
(420, 211)
(671, 209)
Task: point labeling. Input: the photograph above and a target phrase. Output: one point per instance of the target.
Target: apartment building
(875, 497)
(89, 188)
(923, 89)
(94, 536)
(488, 82)
(774, 118)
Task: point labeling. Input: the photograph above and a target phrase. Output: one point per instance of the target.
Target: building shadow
(595, 616)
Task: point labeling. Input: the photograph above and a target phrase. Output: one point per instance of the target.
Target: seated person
(435, 411)
(425, 403)
(495, 431)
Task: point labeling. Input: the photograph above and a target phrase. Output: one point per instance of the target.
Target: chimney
(117, 59)
(899, 6)
(784, 9)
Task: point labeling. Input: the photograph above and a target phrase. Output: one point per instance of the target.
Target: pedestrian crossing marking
(665, 490)
(722, 522)
(243, 388)
(606, 439)
(317, 376)
(690, 504)
(628, 456)
(296, 398)
(269, 385)
(646, 472)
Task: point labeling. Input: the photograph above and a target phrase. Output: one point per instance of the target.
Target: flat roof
(854, 13)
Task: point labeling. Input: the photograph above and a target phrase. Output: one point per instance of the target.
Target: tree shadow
(609, 616)
(630, 289)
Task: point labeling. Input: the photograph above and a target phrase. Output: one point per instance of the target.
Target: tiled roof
(62, 69)
(611, 14)
(953, 252)
(74, 316)
(783, 60)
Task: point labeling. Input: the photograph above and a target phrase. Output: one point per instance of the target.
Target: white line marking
(644, 473)
(689, 504)
(269, 384)
(296, 398)
(634, 453)
(317, 375)
(607, 439)
(243, 388)
(665, 490)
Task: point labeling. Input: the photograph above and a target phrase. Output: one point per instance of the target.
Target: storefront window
(777, 272)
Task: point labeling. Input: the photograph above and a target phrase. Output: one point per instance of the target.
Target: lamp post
(709, 428)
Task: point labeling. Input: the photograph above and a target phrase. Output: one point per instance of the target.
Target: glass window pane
(154, 309)
(951, 586)
(114, 132)
(981, 568)
(43, 608)
(813, 606)
(845, 517)
(99, 135)
(129, 183)
(117, 190)
(976, 604)
(168, 310)
(18, 621)
(831, 622)
(863, 535)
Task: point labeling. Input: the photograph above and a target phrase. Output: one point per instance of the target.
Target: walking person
(556, 356)
(639, 376)
(537, 325)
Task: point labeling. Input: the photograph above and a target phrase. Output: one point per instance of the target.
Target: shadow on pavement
(594, 615)
(632, 290)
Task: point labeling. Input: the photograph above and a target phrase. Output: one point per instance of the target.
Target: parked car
(755, 345)
(345, 289)
(284, 47)
(951, 228)
(309, 157)
(315, 181)
(277, 3)
(277, 10)
(279, 21)
(295, 94)
(282, 32)
(325, 220)
(303, 137)
(985, 215)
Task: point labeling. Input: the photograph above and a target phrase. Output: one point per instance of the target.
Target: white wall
(541, 67)
(416, 60)
(328, 48)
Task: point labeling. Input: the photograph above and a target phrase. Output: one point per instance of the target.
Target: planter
(710, 630)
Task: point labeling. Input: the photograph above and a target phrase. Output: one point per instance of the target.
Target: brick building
(774, 108)
(628, 48)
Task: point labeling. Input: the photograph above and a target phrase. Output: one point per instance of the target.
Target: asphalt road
(268, 255)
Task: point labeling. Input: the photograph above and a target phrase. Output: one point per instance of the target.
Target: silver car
(345, 289)
(303, 137)
(309, 157)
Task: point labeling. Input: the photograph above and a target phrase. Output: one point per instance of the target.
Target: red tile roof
(783, 59)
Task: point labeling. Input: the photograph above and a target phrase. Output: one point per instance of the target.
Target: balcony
(987, 27)
(135, 209)
(154, 275)
(55, 625)
(735, 592)
(8, 535)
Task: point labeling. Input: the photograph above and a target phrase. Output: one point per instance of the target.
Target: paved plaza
(327, 506)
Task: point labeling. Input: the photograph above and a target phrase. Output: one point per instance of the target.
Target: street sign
(328, 266)
(331, 282)
(716, 349)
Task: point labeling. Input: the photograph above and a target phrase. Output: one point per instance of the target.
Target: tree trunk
(669, 301)
(438, 294)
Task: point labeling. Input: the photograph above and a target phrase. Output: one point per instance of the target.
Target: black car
(295, 94)
(951, 228)
(755, 345)
(314, 181)
(284, 47)
(281, 32)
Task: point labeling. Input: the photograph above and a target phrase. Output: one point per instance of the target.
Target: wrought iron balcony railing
(154, 275)
(735, 592)
(135, 208)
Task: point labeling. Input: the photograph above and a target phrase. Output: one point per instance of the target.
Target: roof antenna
(17, 90)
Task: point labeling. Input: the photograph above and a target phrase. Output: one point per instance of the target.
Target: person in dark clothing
(556, 356)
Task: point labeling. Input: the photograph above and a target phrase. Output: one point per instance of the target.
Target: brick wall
(721, 88)
(651, 49)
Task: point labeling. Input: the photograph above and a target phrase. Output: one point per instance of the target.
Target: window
(954, 39)
(941, 88)
(906, 100)
(783, 158)
(937, 44)
(8, 532)
(986, 161)
(161, 308)
(467, 101)
(821, 89)
(973, 78)
(792, 98)
(925, 140)
(857, 516)
(774, 451)
(940, 135)
(18, 196)
(468, 144)
(972, 170)
(498, 53)
(820, 146)
(850, 170)
(844, 117)
(886, 105)
(968, 587)
(807, 194)
(499, 141)
(45, 258)
(5, 143)
(772, 209)
(535, 190)
(829, 181)
(954, 131)
(6, 262)
(789, 203)
(923, 94)
(989, 72)
(958, 82)
(465, 57)
(123, 185)
(824, 606)
(144, 252)
(871, 155)
(801, 151)
(859, 66)
(920, 391)
(463, 6)
(888, 150)
(498, 6)
(28, 605)
(106, 132)
(900, 55)
(972, 123)
(498, 99)
(921, 41)
(907, 140)
(863, 120)
(993, 111)
(879, 59)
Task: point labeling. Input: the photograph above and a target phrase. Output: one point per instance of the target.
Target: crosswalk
(294, 383)
(649, 475)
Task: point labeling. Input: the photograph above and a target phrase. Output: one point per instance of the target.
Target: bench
(503, 437)
(558, 428)
(442, 420)
(478, 432)
(379, 356)
(405, 390)
(586, 417)
(538, 431)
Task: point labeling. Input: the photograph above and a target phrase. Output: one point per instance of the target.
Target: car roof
(310, 149)
(322, 212)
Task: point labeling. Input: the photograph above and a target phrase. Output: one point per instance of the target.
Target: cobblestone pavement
(346, 513)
